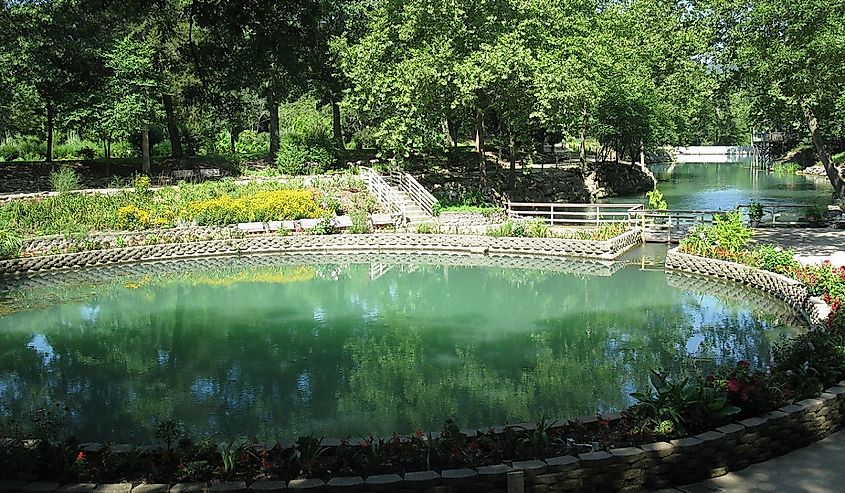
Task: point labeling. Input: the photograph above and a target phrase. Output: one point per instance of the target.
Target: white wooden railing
(384, 193)
(418, 193)
(576, 214)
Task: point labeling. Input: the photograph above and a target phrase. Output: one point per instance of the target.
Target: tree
(254, 45)
(56, 53)
(790, 59)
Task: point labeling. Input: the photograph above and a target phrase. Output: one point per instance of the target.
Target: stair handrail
(418, 193)
(384, 193)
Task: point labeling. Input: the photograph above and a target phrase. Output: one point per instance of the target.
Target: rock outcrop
(616, 179)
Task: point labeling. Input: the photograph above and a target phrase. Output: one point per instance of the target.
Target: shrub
(536, 228)
(775, 259)
(306, 145)
(260, 206)
(218, 211)
(508, 229)
(687, 405)
(726, 238)
(656, 200)
(10, 244)
(132, 217)
(786, 168)
(9, 152)
(251, 143)
(64, 180)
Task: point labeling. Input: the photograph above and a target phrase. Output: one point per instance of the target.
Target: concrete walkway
(811, 245)
(818, 468)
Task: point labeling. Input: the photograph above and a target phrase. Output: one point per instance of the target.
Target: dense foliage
(304, 80)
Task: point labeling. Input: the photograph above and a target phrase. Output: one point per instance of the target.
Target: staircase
(402, 195)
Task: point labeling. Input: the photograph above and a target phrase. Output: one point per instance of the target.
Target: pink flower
(733, 385)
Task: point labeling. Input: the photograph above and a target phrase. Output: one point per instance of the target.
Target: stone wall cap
(530, 465)
(346, 481)
(494, 470)
(753, 422)
(791, 409)
(380, 479)
(657, 447)
(775, 415)
(268, 485)
(836, 390)
(305, 484)
(227, 486)
(710, 436)
(826, 396)
(626, 451)
(594, 456)
(113, 488)
(152, 488)
(810, 403)
(421, 476)
(731, 429)
(686, 442)
(458, 473)
(187, 487)
(563, 460)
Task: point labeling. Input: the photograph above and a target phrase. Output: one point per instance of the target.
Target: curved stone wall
(387, 242)
(791, 291)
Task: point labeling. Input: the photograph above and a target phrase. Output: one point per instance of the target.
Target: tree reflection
(335, 352)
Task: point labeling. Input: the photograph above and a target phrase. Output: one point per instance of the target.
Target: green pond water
(723, 186)
(353, 348)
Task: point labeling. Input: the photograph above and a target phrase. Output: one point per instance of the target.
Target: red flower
(743, 364)
(80, 456)
(733, 385)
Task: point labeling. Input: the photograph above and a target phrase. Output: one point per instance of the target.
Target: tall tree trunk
(512, 169)
(172, 129)
(479, 148)
(233, 139)
(452, 131)
(336, 130)
(818, 142)
(273, 107)
(51, 115)
(145, 151)
(582, 148)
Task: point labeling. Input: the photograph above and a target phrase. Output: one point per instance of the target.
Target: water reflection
(347, 349)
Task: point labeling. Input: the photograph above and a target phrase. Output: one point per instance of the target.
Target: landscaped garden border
(791, 291)
(378, 242)
(629, 469)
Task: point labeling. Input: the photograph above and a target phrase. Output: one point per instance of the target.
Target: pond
(723, 186)
(360, 345)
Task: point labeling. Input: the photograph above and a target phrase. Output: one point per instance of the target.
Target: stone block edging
(793, 292)
(629, 469)
(384, 242)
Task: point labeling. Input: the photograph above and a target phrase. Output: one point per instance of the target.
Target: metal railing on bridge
(576, 214)
(656, 225)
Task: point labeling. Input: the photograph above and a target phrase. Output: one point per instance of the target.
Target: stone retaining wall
(334, 243)
(791, 291)
(630, 469)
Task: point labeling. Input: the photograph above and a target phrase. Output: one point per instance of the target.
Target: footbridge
(664, 226)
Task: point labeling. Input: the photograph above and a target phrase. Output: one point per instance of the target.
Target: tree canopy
(422, 76)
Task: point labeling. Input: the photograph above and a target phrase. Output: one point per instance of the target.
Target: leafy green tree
(790, 59)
